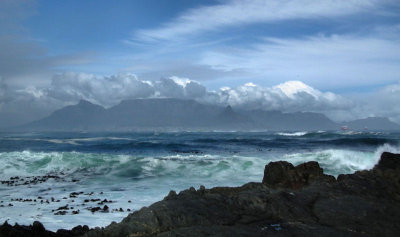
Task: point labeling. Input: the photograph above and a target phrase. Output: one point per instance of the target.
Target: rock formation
(291, 201)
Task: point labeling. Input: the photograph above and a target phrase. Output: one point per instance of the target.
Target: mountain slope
(177, 114)
(278, 121)
(82, 116)
(372, 123)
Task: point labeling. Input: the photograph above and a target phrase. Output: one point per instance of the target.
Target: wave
(29, 163)
(294, 134)
(340, 161)
(71, 141)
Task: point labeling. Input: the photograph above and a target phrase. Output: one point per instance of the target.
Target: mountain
(177, 114)
(137, 114)
(300, 121)
(162, 113)
(80, 117)
(372, 123)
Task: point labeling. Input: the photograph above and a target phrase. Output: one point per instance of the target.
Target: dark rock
(79, 230)
(282, 174)
(37, 230)
(63, 208)
(60, 213)
(94, 209)
(291, 201)
(388, 161)
(38, 227)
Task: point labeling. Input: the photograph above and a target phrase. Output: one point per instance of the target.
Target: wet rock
(60, 213)
(35, 230)
(291, 201)
(95, 209)
(63, 208)
(104, 201)
(388, 161)
(38, 227)
(282, 174)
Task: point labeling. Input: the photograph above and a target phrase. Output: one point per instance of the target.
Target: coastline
(290, 201)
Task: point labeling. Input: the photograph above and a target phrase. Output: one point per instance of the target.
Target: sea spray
(143, 167)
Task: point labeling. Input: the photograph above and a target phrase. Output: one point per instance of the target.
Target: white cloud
(68, 88)
(101, 90)
(336, 61)
(383, 103)
(241, 12)
(291, 88)
(290, 96)
(110, 90)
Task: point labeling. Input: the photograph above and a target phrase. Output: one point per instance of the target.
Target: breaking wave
(338, 161)
(28, 163)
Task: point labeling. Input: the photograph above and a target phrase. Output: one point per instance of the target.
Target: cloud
(12, 12)
(335, 61)
(68, 88)
(291, 96)
(3, 88)
(383, 102)
(243, 12)
(110, 90)
(101, 90)
(27, 62)
(24, 59)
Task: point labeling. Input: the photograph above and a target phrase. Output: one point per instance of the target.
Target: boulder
(282, 174)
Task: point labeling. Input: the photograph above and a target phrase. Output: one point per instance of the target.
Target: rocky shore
(290, 201)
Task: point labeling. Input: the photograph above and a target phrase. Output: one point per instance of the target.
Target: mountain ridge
(178, 114)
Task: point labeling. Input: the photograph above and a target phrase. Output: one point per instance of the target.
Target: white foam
(337, 161)
(143, 180)
(294, 134)
(158, 176)
(72, 141)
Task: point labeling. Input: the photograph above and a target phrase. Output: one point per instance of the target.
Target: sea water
(137, 169)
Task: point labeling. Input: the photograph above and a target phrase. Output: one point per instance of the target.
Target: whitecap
(294, 134)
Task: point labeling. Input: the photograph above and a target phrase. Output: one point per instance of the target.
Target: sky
(341, 58)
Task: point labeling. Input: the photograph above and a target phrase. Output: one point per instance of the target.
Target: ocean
(50, 176)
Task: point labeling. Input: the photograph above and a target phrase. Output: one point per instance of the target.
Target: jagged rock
(291, 201)
(282, 174)
(38, 227)
(388, 161)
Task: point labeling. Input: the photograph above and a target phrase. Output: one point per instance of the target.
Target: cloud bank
(110, 90)
(291, 96)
